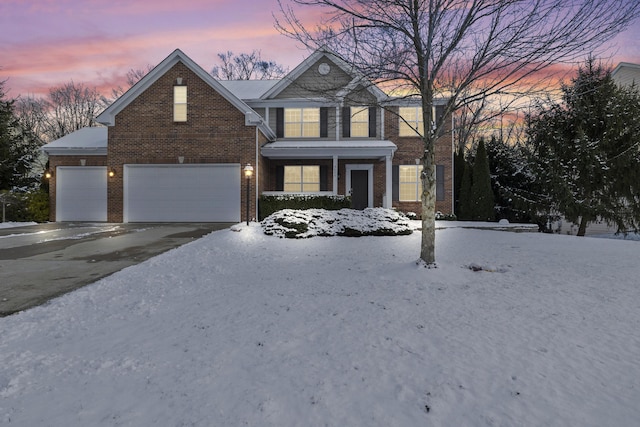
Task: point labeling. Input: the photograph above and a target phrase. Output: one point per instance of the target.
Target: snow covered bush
(298, 224)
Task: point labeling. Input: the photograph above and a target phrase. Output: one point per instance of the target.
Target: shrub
(26, 207)
(270, 204)
(345, 222)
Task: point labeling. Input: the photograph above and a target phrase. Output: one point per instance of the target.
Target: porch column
(335, 175)
(388, 196)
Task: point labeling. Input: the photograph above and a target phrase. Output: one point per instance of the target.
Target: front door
(359, 189)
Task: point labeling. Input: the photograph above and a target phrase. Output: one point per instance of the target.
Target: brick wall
(144, 132)
(410, 149)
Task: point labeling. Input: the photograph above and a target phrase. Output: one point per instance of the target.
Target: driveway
(41, 262)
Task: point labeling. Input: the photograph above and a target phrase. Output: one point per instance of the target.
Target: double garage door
(154, 193)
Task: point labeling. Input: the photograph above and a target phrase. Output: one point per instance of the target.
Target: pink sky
(49, 42)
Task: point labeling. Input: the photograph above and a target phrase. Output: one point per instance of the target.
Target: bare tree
(461, 50)
(134, 75)
(247, 66)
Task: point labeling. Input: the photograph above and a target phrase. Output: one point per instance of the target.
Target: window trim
(302, 182)
(177, 115)
(301, 123)
(417, 183)
(353, 112)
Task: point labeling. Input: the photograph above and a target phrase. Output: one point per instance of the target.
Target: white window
(359, 122)
(179, 103)
(411, 121)
(302, 122)
(410, 183)
(302, 179)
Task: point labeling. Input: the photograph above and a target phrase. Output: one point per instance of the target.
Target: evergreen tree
(585, 152)
(510, 180)
(17, 150)
(458, 168)
(465, 193)
(481, 202)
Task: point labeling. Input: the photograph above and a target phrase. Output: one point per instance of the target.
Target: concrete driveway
(41, 262)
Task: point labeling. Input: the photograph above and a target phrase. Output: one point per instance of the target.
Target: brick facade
(142, 130)
(410, 149)
(145, 133)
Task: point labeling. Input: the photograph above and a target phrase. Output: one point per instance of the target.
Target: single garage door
(182, 193)
(81, 193)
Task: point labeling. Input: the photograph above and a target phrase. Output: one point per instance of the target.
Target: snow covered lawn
(240, 328)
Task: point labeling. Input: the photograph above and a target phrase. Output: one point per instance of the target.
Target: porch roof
(322, 149)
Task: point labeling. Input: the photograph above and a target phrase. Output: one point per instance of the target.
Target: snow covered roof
(89, 140)
(248, 89)
(327, 149)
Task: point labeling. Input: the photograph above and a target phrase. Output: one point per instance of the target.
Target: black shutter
(324, 122)
(324, 178)
(439, 114)
(440, 182)
(346, 122)
(279, 178)
(279, 122)
(372, 122)
(395, 183)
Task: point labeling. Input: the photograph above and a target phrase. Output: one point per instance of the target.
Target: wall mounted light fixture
(48, 174)
(111, 173)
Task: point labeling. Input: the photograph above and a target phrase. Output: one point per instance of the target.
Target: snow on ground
(240, 328)
(10, 224)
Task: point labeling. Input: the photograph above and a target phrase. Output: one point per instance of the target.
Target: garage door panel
(182, 193)
(81, 193)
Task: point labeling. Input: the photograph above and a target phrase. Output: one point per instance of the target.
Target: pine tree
(481, 202)
(585, 152)
(510, 180)
(458, 167)
(465, 193)
(17, 149)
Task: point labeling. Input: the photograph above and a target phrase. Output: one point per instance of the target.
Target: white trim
(126, 182)
(369, 168)
(310, 61)
(297, 193)
(387, 200)
(335, 174)
(321, 149)
(96, 183)
(108, 116)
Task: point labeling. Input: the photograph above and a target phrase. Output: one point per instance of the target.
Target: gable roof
(108, 116)
(358, 77)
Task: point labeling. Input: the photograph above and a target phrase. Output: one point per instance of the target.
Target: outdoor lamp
(48, 174)
(248, 171)
(111, 173)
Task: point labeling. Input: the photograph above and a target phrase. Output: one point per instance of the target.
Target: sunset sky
(44, 43)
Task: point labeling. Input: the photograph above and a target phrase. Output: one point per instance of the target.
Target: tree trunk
(428, 244)
(583, 226)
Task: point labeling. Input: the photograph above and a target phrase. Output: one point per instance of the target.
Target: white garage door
(81, 193)
(182, 193)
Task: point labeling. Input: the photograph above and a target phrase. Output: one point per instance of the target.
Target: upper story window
(302, 179)
(179, 103)
(359, 122)
(411, 121)
(301, 122)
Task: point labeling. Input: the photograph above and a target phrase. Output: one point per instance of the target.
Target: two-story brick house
(174, 146)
